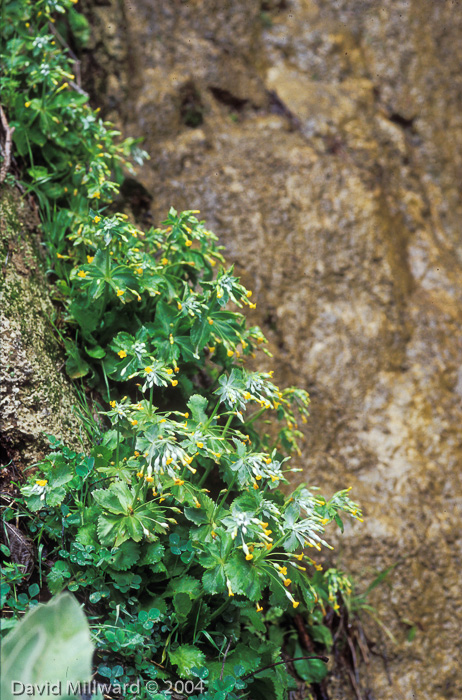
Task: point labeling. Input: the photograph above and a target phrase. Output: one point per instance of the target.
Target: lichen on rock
(36, 397)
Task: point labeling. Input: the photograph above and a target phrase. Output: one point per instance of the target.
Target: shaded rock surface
(35, 395)
(326, 152)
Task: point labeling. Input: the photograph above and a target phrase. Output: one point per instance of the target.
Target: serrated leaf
(197, 404)
(127, 554)
(184, 584)
(185, 658)
(244, 578)
(182, 605)
(214, 580)
(152, 554)
(117, 499)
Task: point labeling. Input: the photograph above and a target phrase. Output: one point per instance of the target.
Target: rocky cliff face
(323, 143)
(36, 398)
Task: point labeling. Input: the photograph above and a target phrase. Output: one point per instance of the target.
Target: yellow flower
(188, 243)
(230, 353)
(200, 444)
(247, 395)
(186, 415)
(97, 219)
(212, 349)
(258, 477)
(210, 320)
(255, 485)
(178, 482)
(259, 607)
(161, 499)
(139, 270)
(268, 545)
(134, 422)
(26, 104)
(169, 371)
(268, 460)
(149, 478)
(81, 274)
(90, 259)
(196, 503)
(164, 261)
(120, 292)
(180, 306)
(174, 382)
(295, 604)
(214, 534)
(139, 474)
(287, 582)
(283, 570)
(299, 556)
(122, 354)
(253, 306)
(248, 293)
(249, 557)
(61, 257)
(41, 482)
(148, 370)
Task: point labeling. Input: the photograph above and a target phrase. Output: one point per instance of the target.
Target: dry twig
(5, 145)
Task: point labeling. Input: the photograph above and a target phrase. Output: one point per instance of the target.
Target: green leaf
(117, 499)
(321, 634)
(197, 405)
(244, 577)
(76, 367)
(182, 605)
(185, 658)
(309, 670)
(214, 580)
(51, 644)
(112, 528)
(184, 584)
(126, 556)
(97, 351)
(152, 554)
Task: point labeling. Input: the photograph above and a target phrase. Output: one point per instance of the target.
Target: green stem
(117, 448)
(228, 423)
(228, 491)
(151, 396)
(204, 475)
(255, 416)
(219, 611)
(214, 412)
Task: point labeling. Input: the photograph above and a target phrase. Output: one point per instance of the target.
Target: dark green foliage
(173, 530)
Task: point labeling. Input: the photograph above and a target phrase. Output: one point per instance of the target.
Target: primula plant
(173, 530)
